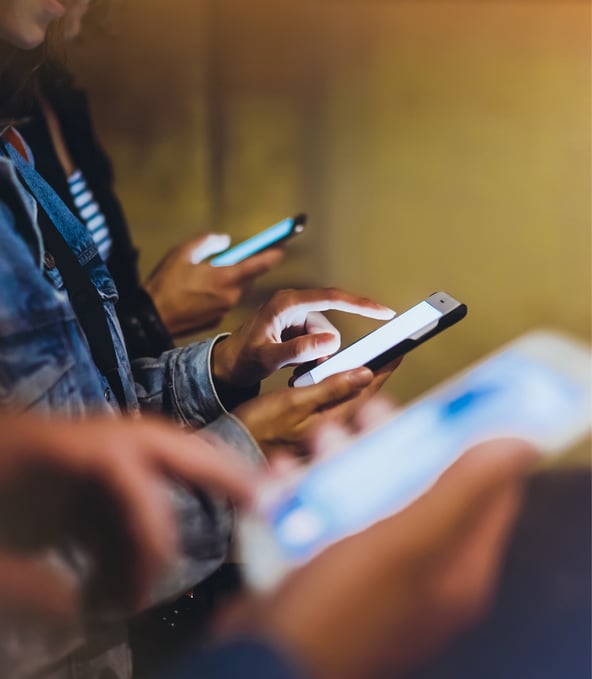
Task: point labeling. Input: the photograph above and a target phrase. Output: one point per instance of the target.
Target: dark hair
(22, 71)
(18, 72)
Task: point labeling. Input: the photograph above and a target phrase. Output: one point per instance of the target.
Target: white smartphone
(393, 339)
(538, 388)
(275, 234)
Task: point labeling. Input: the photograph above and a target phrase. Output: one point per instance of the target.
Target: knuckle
(282, 299)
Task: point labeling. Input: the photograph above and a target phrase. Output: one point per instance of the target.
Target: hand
(100, 483)
(284, 422)
(287, 330)
(37, 589)
(348, 412)
(387, 599)
(286, 419)
(192, 295)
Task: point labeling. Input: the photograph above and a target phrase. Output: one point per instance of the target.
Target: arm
(46, 365)
(201, 382)
(102, 486)
(389, 598)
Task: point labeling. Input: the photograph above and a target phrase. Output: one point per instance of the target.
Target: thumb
(333, 390)
(303, 349)
(205, 246)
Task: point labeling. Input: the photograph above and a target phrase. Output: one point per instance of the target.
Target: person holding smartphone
(61, 349)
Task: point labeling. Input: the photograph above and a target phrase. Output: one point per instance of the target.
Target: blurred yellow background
(435, 145)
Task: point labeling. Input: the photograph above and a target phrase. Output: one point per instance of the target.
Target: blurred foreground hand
(100, 485)
(382, 602)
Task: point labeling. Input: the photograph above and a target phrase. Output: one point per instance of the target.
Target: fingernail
(360, 377)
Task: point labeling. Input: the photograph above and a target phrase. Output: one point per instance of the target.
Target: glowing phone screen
(255, 244)
(358, 354)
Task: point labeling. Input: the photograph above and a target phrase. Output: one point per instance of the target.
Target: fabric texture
(90, 213)
(45, 364)
(144, 332)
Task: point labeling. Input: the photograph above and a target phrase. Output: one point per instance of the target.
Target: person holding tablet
(385, 601)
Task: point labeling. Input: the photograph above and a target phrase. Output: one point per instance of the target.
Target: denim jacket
(46, 364)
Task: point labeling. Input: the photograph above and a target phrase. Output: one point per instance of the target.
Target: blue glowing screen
(509, 395)
(255, 244)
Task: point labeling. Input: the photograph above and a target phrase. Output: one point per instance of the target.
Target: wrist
(222, 363)
(246, 413)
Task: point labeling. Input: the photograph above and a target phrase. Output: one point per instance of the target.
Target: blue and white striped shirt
(90, 213)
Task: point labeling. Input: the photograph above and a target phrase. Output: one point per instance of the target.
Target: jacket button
(108, 395)
(48, 261)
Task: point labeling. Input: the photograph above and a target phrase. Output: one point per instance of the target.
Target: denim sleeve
(179, 385)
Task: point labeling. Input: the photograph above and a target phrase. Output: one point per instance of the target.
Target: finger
(375, 412)
(302, 302)
(302, 349)
(332, 391)
(205, 246)
(379, 380)
(328, 439)
(317, 323)
(256, 265)
(450, 507)
(473, 566)
(204, 461)
(282, 462)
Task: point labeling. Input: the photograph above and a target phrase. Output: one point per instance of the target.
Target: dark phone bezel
(450, 318)
(298, 220)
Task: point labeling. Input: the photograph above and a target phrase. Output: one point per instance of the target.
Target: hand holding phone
(274, 235)
(393, 339)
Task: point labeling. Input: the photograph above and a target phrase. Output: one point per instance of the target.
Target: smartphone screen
(260, 241)
(511, 394)
(420, 319)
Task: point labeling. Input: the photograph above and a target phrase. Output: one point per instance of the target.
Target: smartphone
(393, 339)
(538, 388)
(265, 239)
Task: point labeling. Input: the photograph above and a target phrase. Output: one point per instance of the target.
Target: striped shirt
(90, 213)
